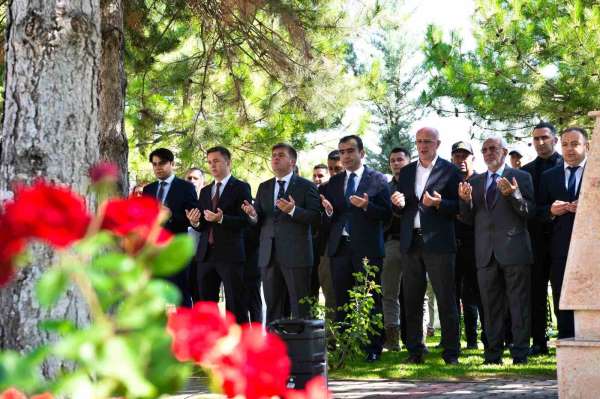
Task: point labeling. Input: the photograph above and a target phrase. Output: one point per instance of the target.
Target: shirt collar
(358, 172)
(224, 181)
(582, 164)
(169, 179)
(499, 172)
(286, 178)
(431, 165)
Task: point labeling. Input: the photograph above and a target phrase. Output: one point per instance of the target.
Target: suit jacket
(502, 230)
(181, 196)
(437, 224)
(290, 236)
(228, 235)
(366, 233)
(552, 188)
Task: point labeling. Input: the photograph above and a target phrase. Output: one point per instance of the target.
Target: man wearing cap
(515, 159)
(467, 288)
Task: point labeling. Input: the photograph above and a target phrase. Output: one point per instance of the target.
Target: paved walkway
(386, 389)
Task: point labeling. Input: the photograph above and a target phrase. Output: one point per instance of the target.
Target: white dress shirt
(578, 174)
(421, 178)
(167, 187)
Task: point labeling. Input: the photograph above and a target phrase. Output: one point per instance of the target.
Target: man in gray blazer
(498, 203)
(285, 209)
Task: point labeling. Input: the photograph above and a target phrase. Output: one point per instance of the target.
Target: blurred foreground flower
(12, 393)
(104, 172)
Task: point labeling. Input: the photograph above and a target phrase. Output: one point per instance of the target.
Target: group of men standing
(490, 241)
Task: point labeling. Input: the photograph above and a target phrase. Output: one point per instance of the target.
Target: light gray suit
(503, 256)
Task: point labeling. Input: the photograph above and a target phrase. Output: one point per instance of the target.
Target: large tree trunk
(50, 129)
(113, 141)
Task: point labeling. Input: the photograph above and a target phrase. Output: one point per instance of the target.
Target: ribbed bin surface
(305, 340)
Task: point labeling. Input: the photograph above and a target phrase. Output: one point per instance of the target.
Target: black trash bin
(305, 340)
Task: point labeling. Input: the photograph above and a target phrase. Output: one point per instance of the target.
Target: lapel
(580, 182)
(291, 185)
(412, 180)
(562, 190)
(271, 192)
(171, 192)
(226, 190)
(365, 181)
(435, 174)
(205, 195)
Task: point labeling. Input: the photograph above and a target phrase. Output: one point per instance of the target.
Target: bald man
(427, 198)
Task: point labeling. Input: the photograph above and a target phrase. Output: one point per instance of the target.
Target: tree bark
(50, 130)
(113, 140)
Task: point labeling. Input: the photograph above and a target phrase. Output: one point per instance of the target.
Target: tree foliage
(533, 60)
(244, 74)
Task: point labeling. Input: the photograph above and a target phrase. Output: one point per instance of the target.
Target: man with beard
(498, 204)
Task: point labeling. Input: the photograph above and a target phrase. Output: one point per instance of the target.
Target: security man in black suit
(221, 221)
(178, 195)
(557, 204)
(544, 140)
(427, 196)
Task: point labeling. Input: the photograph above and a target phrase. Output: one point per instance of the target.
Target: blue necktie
(350, 190)
(572, 185)
(490, 194)
(281, 192)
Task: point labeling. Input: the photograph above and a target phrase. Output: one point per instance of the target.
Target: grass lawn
(392, 366)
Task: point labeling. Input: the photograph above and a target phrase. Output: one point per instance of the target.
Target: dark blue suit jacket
(228, 235)
(366, 233)
(181, 196)
(552, 188)
(437, 224)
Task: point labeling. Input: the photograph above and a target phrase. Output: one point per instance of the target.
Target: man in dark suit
(286, 208)
(467, 288)
(178, 195)
(427, 199)
(391, 276)
(498, 204)
(357, 203)
(557, 204)
(544, 140)
(221, 222)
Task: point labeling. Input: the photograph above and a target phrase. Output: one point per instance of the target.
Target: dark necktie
(490, 194)
(350, 187)
(572, 185)
(214, 202)
(350, 190)
(161, 191)
(281, 191)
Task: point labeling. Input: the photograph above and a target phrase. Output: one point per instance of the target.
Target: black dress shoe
(415, 359)
(451, 360)
(537, 350)
(372, 357)
(519, 360)
(492, 361)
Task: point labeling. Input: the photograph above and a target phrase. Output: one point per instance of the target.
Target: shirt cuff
(220, 221)
(329, 213)
(195, 224)
(291, 213)
(517, 194)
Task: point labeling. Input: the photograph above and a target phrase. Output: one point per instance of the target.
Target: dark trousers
(343, 265)
(403, 335)
(440, 269)
(251, 299)
(501, 285)
(212, 273)
(182, 280)
(283, 287)
(564, 318)
(467, 291)
(540, 276)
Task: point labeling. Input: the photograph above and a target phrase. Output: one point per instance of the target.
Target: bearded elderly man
(498, 203)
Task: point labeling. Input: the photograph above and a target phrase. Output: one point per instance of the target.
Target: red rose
(12, 393)
(10, 247)
(196, 331)
(316, 388)
(104, 172)
(136, 219)
(47, 212)
(257, 368)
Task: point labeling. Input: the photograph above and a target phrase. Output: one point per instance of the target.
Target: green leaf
(51, 286)
(174, 256)
(60, 326)
(22, 371)
(114, 261)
